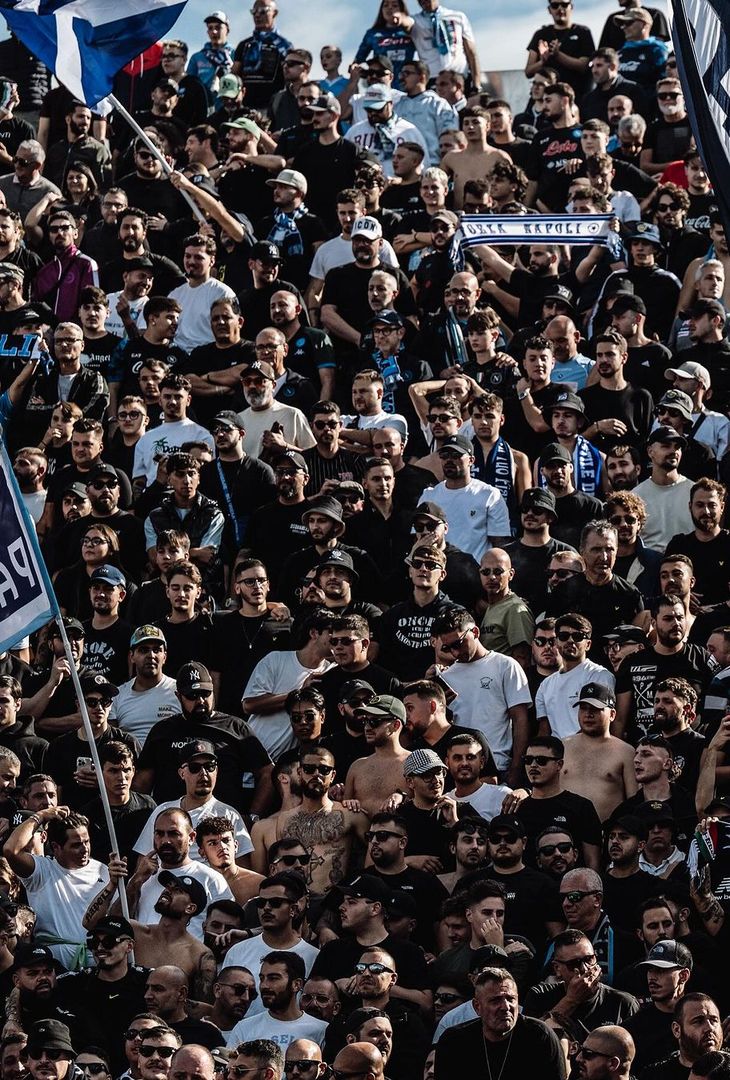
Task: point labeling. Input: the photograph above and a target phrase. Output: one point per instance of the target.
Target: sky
(502, 29)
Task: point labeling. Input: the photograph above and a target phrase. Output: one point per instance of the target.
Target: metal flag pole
(155, 151)
(94, 756)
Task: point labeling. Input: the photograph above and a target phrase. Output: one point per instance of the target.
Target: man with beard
(372, 779)
(150, 694)
(626, 885)
(291, 226)
(132, 231)
(697, 1027)
(667, 970)
(78, 146)
(173, 837)
(327, 461)
(469, 849)
(233, 992)
(636, 564)
(598, 765)
(106, 648)
(279, 906)
(555, 852)
(527, 287)
(618, 410)
(675, 713)
(168, 940)
(671, 655)
(244, 768)
(567, 418)
(276, 530)
(38, 991)
(166, 995)
(271, 427)
(555, 470)
(665, 492)
(622, 467)
(531, 554)
(213, 367)
(281, 980)
(50, 1051)
(124, 309)
(310, 350)
(707, 544)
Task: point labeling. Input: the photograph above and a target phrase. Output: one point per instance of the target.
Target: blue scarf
(455, 339)
(440, 31)
(218, 56)
(389, 369)
(497, 471)
(259, 38)
(385, 139)
(587, 467)
(285, 233)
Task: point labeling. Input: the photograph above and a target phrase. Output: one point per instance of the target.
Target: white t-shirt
(378, 420)
(365, 137)
(295, 427)
(277, 673)
(212, 808)
(487, 800)
(194, 326)
(282, 1032)
(213, 883)
(458, 29)
(557, 696)
(338, 252)
(165, 439)
(35, 504)
(137, 711)
(249, 954)
(60, 898)
(667, 511)
(486, 689)
(474, 513)
(113, 323)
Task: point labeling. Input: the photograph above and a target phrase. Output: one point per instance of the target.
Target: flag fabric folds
(86, 42)
(27, 599)
(700, 31)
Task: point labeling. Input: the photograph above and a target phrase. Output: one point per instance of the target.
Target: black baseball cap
(666, 434)
(188, 884)
(627, 634)
(367, 887)
(266, 251)
(597, 694)
(507, 821)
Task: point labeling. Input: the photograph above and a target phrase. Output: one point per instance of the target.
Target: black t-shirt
(463, 1049)
(652, 1033)
(640, 672)
(646, 365)
(574, 511)
(346, 287)
(346, 749)
(98, 351)
(167, 275)
(67, 749)
(331, 683)
(698, 215)
(709, 562)
(607, 1007)
(622, 896)
(343, 466)
(531, 289)
(337, 959)
(567, 810)
(670, 1068)
(129, 820)
(575, 41)
(530, 566)
(13, 131)
(428, 893)
(274, 532)
(149, 604)
(688, 746)
(256, 308)
(250, 485)
(108, 1007)
(669, 141)
(607, 606)
(427, 833)
(106, 650)
(135, 353)
(71, 474)
(239, 752)
(532, 901)
(633, 405)
(239, 642)
(404, 634)
(186, 641)
(681, 804)
(551, 149)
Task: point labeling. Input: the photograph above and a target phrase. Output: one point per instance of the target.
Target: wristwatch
(523, 394)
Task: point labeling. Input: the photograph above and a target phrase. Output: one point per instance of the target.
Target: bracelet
(37, 818)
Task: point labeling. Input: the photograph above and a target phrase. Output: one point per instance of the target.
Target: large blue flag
(86, 42)
(27, 599)
(700, 31)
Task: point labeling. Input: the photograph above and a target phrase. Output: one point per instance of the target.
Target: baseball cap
(597, 694)
(446, 215)
(167, 84)
(11, 270)
(367, 887)
(560, 292)
(385, 705)
(389, 317)
(376, 96)
(72, 627)
(656, 812)
(631, 824)
(50, 1035)
(633, 14)
(487, 956)
(148, 632)
(260, 367)
(668, 954)
(664, 433)
(198, 748)
(227, 419)
(100, 469)
(97, 684)
(188, 884)
(367, 226)
(506, 821)
(291, 178)
(326, 103)
(677, 399)
(337, 557)
(193, 676)
(266, 251)
(382, 61)
(626, 634)
(457, 442)
(229, 86)
(538, 499)
(402, 904)
(114, 924)
(644, 230)
(295, 457)
(109, 575)
(140, 262)
(689, 370)
(76, 489)
(419, 762)
(244, 123)
(353, 688)
(27, 954)
(429, 510)
(628, 302)
(217, 16)
(554, 452)
(705, 306)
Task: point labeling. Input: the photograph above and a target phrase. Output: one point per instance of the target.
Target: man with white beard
(269, 424)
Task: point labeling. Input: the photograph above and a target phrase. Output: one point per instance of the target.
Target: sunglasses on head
(323, 770)
(147, 1051)
(549, 849)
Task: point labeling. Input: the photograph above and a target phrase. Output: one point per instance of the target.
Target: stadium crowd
(396, 573)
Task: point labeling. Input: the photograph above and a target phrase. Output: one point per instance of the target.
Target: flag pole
(93, 751)
(155, 151)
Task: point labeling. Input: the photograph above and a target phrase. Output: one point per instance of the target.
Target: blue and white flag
(86, 42)
(27, 599)
(700, 31)
(508, 229)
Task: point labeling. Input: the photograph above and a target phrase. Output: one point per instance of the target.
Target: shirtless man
(168, 941)
(597, 765)
(373, 779)
(324, 828)
(285, 781)
(688, 294)
(217, 845)
(475, 162)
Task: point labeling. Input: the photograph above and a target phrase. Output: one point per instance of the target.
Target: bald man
(166, 995)
(572, 368)
(303, 1061)
(192, 1062)
(606, 1054)
(361, 1059)
(507, 623)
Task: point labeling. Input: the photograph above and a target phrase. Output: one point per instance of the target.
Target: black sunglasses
(147, 1051)
(292, 860)
(549, 849)
(537, 759)
(271, 901)
(323, 770)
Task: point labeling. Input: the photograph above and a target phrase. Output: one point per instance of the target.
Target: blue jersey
(393, 42)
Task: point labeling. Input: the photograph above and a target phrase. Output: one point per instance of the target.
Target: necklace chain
(506, 1055)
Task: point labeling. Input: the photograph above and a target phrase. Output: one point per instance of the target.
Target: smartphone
(84, 763)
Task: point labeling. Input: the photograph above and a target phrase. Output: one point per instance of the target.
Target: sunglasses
(299, 1066)
(549, 849)
(133, 414)
(669, 95)
(381, 835)
(587, 1053)
(375, 721)
(629, 519)
(135, 1033)
(454, 646)
(440, 418)
(374, 969)
(95, 702)
(578, 962)
(425, 526)
(663, 207)
(321, 425)
(144, 154)
(147, 1051)
(491, 571)
(241, 990)
(425, 564)
(344, 640)
(571, 635)
(537, 759)
(198, 695)
(52, 1054)
(446, 999)
(201, 766)
(349, 499)
(544, 642)
(323, 770)
(576, 895)
(271, 901)
(563, 573)
(98, 485)
(93, 1068)
(292, 860)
